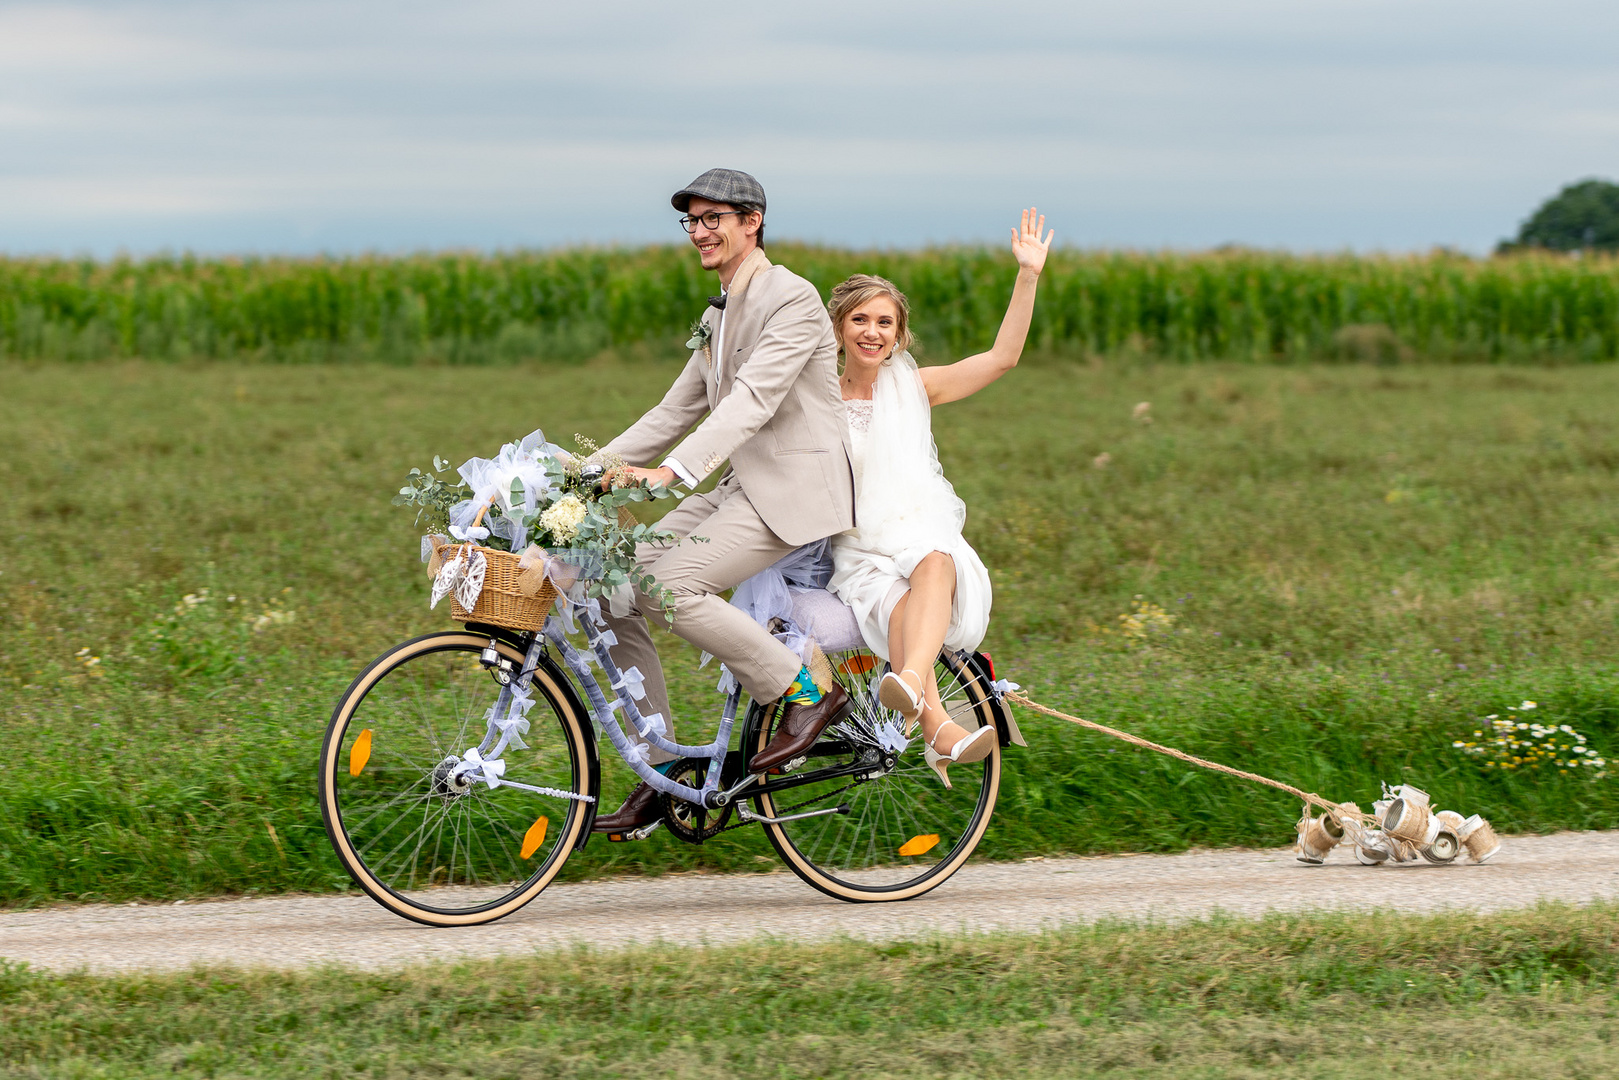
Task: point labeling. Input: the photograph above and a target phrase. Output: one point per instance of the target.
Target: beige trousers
(736, 545)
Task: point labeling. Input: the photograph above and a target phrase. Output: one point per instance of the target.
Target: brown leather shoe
(800, 727)
(639, 810)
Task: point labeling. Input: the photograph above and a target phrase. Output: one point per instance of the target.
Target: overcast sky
(390, 125)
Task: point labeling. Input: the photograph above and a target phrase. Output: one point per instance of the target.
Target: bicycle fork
(505, 724)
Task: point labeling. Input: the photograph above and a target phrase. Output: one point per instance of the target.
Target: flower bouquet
(512, 534)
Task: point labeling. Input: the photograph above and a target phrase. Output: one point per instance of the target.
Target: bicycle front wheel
(903, 833)
(421, 840)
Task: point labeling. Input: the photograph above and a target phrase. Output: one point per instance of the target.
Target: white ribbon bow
(891, 738)
(632, 680)
(652, 722)
(514, 725)
(489, 771)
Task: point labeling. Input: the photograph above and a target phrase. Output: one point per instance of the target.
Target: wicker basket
(503, 601)
(512, 597)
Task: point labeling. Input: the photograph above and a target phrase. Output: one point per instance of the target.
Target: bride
(914, 583)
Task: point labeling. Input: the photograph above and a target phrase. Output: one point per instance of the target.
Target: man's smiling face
(728, 242)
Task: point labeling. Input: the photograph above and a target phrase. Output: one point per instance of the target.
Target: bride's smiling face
(868, 332)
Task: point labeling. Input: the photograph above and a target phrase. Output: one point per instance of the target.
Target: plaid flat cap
(729, 186)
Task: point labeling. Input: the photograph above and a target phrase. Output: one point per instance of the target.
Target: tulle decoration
(767, 598)
(494, 478)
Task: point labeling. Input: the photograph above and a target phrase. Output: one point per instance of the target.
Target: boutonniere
(701, 335)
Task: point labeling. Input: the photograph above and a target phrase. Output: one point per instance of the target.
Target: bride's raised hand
(1027, 246)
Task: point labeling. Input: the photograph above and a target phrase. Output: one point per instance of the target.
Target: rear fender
(1005, 725)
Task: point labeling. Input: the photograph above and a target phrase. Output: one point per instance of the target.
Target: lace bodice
(859, 413)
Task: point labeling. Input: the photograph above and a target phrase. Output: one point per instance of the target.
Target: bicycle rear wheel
(422, 843)
(904, 833)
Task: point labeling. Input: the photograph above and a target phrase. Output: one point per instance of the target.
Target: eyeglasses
(710, 220)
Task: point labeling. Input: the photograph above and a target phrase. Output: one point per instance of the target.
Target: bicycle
(448, 831)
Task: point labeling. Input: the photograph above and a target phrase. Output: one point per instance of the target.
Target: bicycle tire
(831, 854)
(409, 699)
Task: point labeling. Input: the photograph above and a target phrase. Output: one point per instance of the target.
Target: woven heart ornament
(471, 582)
(449, 575)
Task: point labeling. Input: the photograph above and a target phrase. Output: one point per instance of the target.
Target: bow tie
(717, 302)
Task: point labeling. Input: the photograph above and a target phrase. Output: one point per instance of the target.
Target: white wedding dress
(905, 509)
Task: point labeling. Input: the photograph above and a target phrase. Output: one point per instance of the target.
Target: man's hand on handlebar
(625, 475)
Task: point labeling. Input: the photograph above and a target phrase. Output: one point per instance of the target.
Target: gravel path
(294, 931)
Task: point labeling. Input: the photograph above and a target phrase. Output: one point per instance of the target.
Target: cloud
(362, 124)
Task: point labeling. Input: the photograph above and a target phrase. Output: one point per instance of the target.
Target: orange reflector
(858, 664)
(361, 753)
(919, 845)
(534, 837)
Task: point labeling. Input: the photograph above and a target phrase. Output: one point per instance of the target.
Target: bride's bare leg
(916, 631)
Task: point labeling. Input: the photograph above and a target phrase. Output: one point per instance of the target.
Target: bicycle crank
(688, 821)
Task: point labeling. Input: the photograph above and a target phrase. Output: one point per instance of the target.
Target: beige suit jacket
(772, 407)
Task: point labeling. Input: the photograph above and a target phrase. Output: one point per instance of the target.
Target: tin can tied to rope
(1402, 827)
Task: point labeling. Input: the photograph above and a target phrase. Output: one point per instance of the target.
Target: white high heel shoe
(971, 747)
(895, 693)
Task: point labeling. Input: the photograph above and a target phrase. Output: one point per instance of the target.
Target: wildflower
(1527, 705)
(271, 616)
(91, 662)
(1142, 413)
(1146, 619)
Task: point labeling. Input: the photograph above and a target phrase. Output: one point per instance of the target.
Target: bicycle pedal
(634, 834)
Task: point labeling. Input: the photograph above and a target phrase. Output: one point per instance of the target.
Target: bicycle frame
(505, 720)
(601, 639)
(484, 762)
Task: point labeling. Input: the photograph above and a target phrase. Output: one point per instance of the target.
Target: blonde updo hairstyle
(855, 292)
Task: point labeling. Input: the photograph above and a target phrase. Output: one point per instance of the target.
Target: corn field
(573, 304)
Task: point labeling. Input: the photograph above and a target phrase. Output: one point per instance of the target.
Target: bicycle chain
(782, 811)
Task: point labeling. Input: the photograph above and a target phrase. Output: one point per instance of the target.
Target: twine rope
(1336, 811)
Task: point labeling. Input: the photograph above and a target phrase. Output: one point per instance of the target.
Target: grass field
(1526, 994)
(1359, 563)
(1236, 305)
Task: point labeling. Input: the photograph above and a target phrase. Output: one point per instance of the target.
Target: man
(767, 381)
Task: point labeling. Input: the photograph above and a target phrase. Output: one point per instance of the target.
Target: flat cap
(730, 186)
